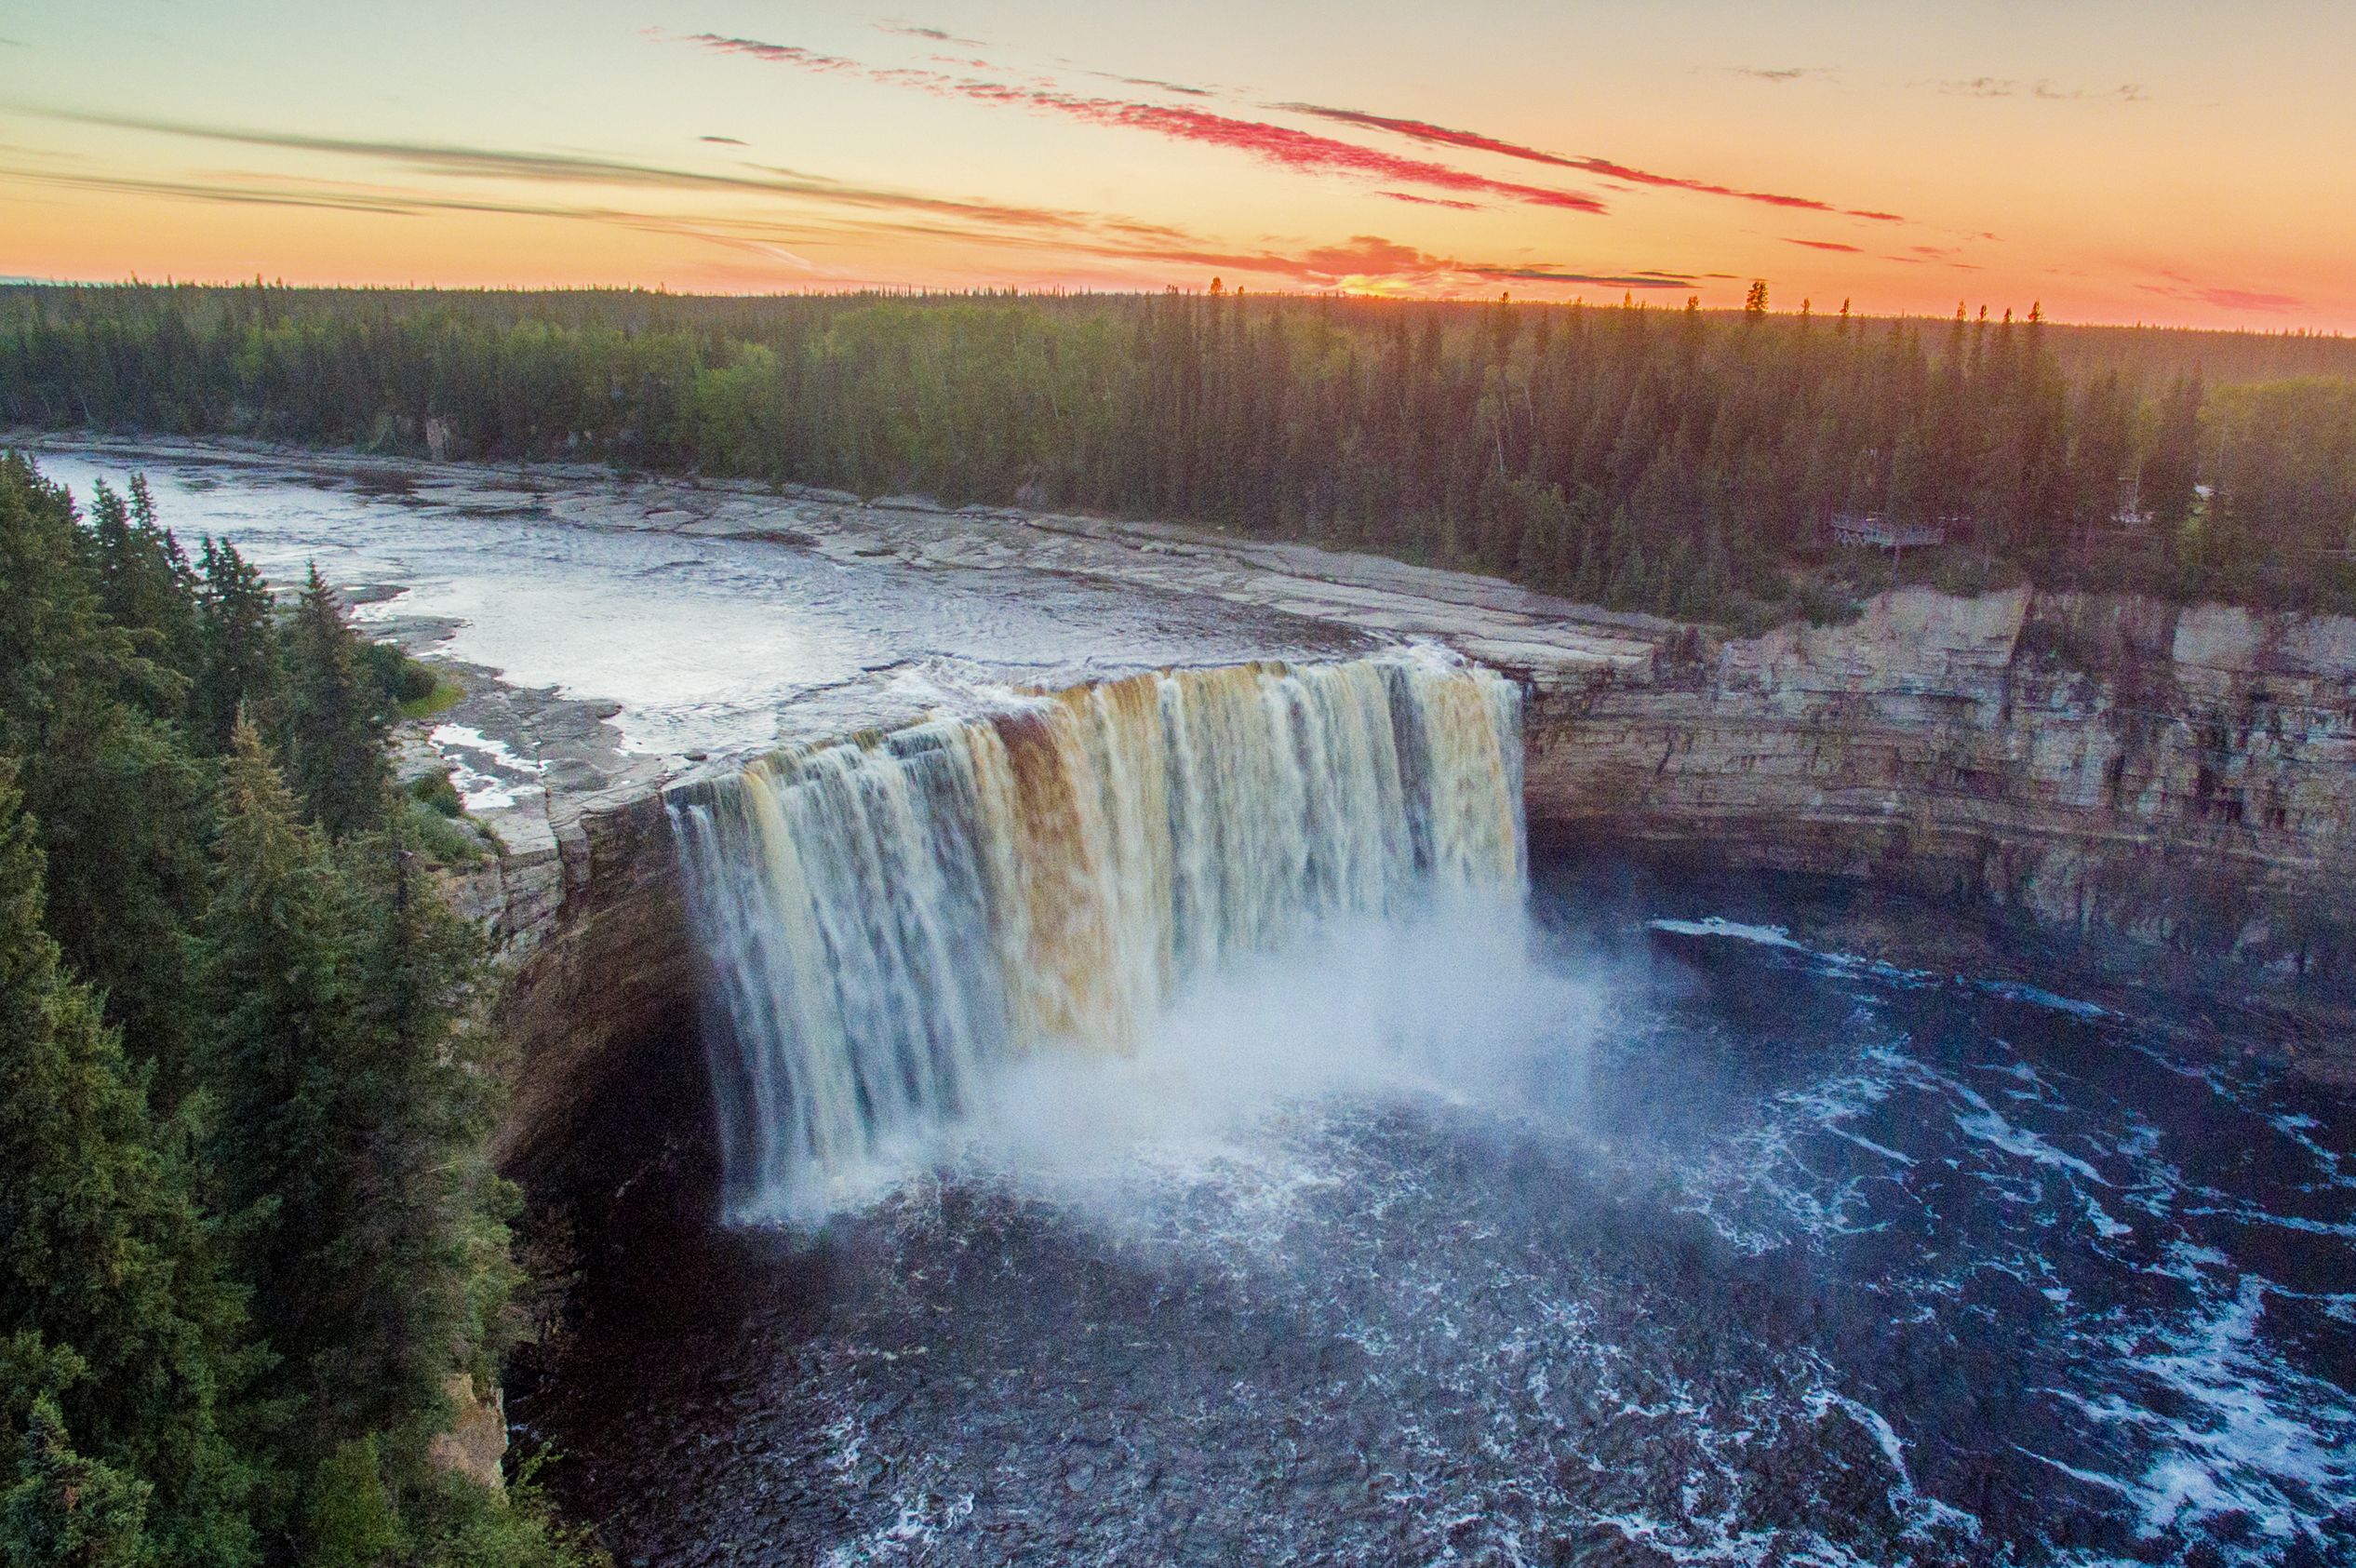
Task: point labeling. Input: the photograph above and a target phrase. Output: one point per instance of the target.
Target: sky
(2172, 161)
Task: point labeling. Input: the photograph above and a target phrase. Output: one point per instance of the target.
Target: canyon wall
(2182, 777)
(599, 971)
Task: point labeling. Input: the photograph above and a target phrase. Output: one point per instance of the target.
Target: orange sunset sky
(2116, 160)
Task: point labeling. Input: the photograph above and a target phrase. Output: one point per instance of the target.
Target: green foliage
(441, 840)
(247, 1225)
(403, 682)
(67, 1509)
(446, 694)
(238, 665)
(435, 789)
(347, 1517)
(456, 1525)
(91, 718)
(121, 1319)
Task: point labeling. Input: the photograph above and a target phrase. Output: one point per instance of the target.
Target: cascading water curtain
(885, 916)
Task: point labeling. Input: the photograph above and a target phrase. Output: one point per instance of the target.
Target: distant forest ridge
(1741, 467)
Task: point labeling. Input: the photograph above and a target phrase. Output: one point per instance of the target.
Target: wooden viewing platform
(1882, 534)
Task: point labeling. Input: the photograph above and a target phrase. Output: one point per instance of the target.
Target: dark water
(1736, 1252)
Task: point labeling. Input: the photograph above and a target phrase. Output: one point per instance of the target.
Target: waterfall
(887, 916)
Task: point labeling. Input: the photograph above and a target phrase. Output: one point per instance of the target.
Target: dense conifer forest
(1690, 464)
(249, 1240)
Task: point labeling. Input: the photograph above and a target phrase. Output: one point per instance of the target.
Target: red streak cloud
(1282, 145)
(1422, 130)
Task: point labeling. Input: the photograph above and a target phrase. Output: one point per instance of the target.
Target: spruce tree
(70, 1510)
(338, 982)
(145, 582)
(125, 1331)
(117, 800)
(238, 659)
(276, 958)
(337, 732)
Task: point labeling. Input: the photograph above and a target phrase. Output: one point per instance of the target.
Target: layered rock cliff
(2181, 776)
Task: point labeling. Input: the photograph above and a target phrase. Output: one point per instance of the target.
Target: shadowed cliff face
(2181, 777)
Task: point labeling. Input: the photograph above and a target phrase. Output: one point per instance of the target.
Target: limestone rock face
(600, 962)
(2182, 776)
(476, 1439)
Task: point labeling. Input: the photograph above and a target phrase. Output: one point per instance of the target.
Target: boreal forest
(253, 1258)
(1696, 465)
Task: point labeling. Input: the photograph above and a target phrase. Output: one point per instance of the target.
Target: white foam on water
(2236, 1430)
(1856, 966)
(1223, 1095)
(1718, 925)
(488, 787)
(2012, 990)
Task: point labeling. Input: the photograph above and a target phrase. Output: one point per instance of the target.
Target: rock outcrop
(593, 933)
(2181, 776)
(476, 1441)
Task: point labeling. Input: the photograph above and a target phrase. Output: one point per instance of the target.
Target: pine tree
(145, 584)
(117, 801)
(2171, 464)
(339, 980)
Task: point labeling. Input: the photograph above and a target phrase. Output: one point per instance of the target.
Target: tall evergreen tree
(277, 959)
(126, 1332)
(337, 729)
(118, 802)
(238, 659)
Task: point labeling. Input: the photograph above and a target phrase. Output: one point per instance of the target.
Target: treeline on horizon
(250, 1244)
(1679, 462)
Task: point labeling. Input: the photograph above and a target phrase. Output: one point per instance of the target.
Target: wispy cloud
(1155, 83)
(721, 141)
(1372, 260)
(776, 54)
(1300, 151)
(1431, 201)
(1444, 136)
(1782, 74)
(2013, 86)
(1827, 245)
(2179, 287)
(907, 30)
(578, 169)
